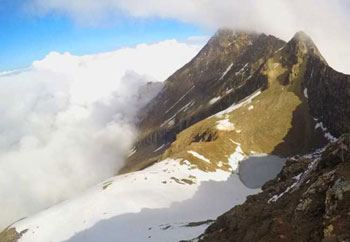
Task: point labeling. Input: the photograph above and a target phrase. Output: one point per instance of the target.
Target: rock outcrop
(308, 201)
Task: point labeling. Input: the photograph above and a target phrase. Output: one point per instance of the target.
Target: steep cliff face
(308, 201)
(329, 96)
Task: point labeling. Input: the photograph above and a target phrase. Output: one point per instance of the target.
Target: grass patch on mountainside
(260, 126)
(276, 122)
(11, 235)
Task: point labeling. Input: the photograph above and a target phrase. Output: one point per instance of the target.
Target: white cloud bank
(326, 21)
(67, 121)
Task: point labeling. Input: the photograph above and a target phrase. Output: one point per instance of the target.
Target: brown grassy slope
(186, 94)
(279, 122)
(10, 235)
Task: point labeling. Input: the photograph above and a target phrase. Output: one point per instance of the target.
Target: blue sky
(24, 37)
(30, 29)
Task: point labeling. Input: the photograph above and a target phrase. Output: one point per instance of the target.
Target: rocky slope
(309, 200)
(300, 109)
(222, 73)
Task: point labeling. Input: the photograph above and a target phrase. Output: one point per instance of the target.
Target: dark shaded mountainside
(300, 96)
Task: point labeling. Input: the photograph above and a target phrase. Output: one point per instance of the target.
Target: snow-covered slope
(168, 201)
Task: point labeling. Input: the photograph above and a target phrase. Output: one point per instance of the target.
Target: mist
(67, 122)
(327, 22)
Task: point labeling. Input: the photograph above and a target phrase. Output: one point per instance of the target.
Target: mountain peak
(226, 36)
(302, 42)
(302, 36)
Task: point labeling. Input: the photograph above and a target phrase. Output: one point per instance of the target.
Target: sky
(71, 75)
(30, 29)
(26, 37)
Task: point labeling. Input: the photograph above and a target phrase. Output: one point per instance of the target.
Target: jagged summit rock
(304, 43)
(302, 36)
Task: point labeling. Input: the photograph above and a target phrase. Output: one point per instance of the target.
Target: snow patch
(159, 148)
(251, 107)
(132, 151)
(229, 91)
(171, 121)
(214, 100)
(225, 125)
(280, 49)
(276, 197)
(180, 99)
(327, 134)
(236, 158)
(242, 70)
(233, 107)
(305, 93)
(201, 157)
(226, 71)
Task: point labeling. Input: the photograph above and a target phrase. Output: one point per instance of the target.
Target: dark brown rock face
(329, 96)
(228, 66)
(328, 91)
(308, 201)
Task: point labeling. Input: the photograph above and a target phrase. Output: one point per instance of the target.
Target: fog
(67, 122)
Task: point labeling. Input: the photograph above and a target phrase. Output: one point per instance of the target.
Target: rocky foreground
(308, 201)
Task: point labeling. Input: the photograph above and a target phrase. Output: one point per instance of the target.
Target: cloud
(67, 121)
(327, 22)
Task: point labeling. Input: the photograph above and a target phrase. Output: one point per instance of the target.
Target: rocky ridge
(309, 200)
